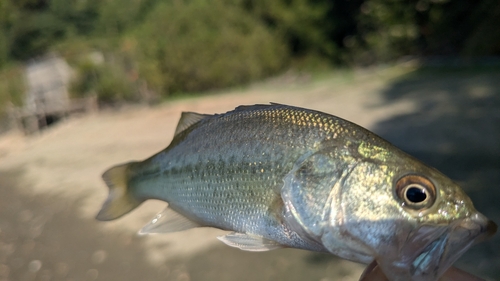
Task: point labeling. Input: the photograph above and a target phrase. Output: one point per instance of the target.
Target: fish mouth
(430, 250)
(445, 245)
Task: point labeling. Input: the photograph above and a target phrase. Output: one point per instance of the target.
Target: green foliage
(115, 17)
(224, 46)
(8, 17)
(387, 30)
(12, 86)
(30, 27)
(302, 23)
(108, 81)
(35, 34)
(464, 27)
(79, 17)
(170, 46)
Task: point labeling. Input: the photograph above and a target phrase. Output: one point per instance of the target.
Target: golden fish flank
(281, 176)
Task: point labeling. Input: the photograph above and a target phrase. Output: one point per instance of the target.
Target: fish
(279, 176)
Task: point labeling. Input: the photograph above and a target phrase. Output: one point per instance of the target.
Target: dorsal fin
(187, 120)
(252, 107)
(257, 106)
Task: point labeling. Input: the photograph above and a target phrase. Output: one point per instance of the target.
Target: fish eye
(416, 192)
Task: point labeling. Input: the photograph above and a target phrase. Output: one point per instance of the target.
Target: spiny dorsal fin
(252, 107)
(187, 120)
(258, 106)
(249, 242)
(167, 221)
(120, 201)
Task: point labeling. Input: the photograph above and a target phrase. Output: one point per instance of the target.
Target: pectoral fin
(168, 221)
(249, 242)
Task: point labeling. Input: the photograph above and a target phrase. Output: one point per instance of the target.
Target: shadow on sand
(42, 238)
(456, 129)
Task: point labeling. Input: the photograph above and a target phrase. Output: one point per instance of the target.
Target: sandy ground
(50, 186)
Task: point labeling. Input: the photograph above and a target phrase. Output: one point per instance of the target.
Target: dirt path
(51, 190)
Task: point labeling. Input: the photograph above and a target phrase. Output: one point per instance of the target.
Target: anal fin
(249, 242)
(168, 221)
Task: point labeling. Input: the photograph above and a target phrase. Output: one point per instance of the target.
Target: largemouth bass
(280, 176)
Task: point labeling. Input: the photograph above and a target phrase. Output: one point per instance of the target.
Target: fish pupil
(416, 194)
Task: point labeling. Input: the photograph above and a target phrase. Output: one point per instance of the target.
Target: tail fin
(120, 201)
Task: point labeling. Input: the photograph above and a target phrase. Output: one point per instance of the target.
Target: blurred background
(86, 84)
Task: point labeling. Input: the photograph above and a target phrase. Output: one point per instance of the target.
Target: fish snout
(469, 231)
(431, 250)
(481, 226)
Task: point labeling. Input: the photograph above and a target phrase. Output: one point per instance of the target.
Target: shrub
(108, 81)
(199, 45)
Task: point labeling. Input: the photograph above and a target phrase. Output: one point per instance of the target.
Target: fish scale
(281, 176)
(243, 199)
